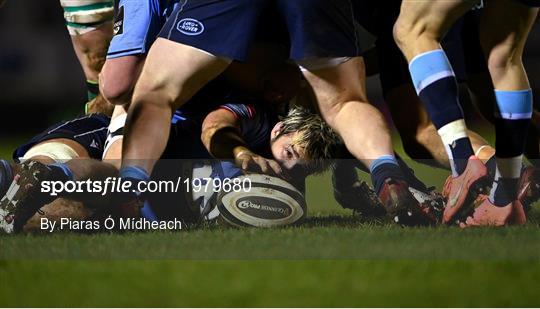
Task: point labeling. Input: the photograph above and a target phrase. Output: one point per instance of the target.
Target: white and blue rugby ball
(267, 202)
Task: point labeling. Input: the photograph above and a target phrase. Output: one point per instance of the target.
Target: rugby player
(240, 132)
(201, 39)
(68, 150)
(418, 31)
(89, 23)
(138, 25)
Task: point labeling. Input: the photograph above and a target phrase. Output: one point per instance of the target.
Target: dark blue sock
(504, 191)
(436, 85)
(383, 168)
(60, 171)
(491, 165)
(512, 119)
(134, 174)
(461, 150)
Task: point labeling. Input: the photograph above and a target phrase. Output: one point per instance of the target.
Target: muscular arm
(222, 138)
(221, 135)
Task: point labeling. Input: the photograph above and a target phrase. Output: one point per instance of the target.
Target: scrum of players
(278, 87)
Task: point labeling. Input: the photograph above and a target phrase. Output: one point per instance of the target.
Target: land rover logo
(264, 208)
(190, 26)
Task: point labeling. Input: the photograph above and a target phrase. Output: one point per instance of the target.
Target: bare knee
(114, 89)
(117, 92)
(402, 32)
(501, 57)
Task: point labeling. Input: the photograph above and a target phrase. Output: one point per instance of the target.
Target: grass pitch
(332, 260)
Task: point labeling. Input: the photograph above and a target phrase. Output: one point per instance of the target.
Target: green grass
(332, 260)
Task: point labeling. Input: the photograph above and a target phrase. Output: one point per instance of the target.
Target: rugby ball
(266, 202)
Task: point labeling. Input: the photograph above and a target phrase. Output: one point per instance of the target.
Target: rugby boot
(361, 199)
(6, 177)
(24, 197)
(488, 214)
(461, 191)
(529, 187)
(402, 206)
(431, 201)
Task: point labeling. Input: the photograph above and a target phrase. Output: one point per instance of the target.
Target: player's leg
(503, 44)
(323, 37)
(89, 23)
(418, 32)
(189, 53)
(137, 24)
(62, 153)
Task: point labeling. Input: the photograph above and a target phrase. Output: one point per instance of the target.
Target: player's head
(303, 139)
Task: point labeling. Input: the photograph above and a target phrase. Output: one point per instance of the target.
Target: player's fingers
(245, 164)
(264, 167)
(275, 167)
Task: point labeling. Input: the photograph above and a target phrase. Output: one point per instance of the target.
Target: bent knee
(503, 56)
(117, 91)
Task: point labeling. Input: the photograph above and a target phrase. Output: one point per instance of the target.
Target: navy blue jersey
(89, 131)
(256, 124)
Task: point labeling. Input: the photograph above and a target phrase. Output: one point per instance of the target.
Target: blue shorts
(89, 131)
(316, 28)
(137, 24)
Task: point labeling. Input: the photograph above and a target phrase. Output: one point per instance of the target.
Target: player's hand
(248, 160)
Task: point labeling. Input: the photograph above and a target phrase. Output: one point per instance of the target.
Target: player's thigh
(507, 37)
(174, 72)
(335, 85)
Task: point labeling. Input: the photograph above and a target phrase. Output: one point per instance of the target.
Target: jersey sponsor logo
(118, 27)
(190, 26)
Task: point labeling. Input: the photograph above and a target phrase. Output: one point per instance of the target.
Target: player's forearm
(224, 143)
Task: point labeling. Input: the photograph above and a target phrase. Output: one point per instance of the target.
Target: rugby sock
(60, 171)
(436, 85)
(383, 168)
(134, 174)
(92, 89)
(6, 176)
(491, 165)
(512, 119)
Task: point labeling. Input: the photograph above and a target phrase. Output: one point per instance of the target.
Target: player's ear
(276, 130)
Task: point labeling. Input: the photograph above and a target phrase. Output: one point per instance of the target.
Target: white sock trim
(453, 131)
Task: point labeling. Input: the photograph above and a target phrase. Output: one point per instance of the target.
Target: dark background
(42, 82)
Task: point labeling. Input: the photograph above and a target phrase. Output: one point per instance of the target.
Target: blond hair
(313, 135)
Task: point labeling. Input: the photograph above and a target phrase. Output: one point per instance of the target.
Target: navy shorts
(89, 131)
(316, 28)
(137, 24)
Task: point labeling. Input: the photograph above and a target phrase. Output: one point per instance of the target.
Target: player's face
(285, 151)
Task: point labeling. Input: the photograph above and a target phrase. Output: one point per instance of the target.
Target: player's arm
(222, 137)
